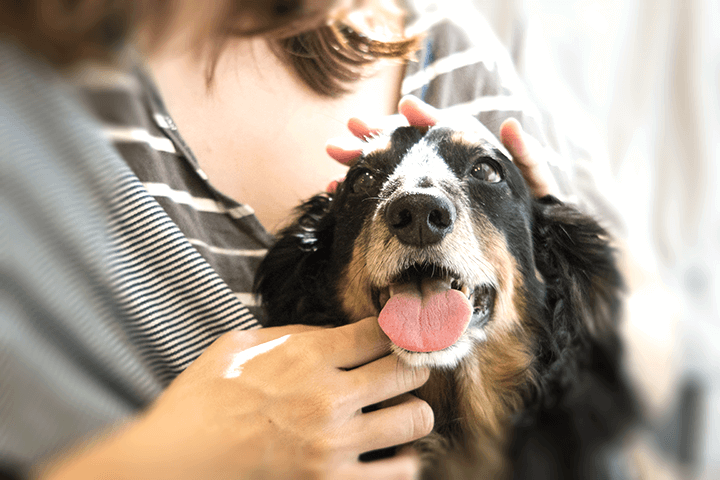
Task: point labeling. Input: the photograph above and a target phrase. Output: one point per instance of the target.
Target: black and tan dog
(512, 301)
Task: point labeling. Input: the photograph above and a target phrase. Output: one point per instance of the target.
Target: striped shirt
(120, 265)
(185, 254)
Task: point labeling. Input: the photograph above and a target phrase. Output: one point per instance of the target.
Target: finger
(417, 112)
(404, 466)
(364, 129)
(361, 129)
(345, 149)
(527, 155)
(383, 379)
(402, 423)
(356, 344)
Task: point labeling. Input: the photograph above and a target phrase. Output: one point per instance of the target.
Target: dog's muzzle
(427, 307)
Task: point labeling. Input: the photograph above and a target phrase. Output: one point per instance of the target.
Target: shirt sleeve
(66, 365)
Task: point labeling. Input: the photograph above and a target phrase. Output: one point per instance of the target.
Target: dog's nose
(420, 219)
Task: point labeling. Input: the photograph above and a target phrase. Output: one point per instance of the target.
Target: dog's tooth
(465, 290)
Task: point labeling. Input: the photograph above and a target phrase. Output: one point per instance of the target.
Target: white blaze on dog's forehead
(420, 163)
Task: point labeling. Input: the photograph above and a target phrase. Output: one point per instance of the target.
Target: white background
(641, 78)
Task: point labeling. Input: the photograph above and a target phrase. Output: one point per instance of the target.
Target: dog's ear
(574, 255)
(583, 399)
(287, 279)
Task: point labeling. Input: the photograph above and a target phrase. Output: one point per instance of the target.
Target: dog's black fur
(540, 391)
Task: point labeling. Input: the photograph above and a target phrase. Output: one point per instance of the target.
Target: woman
(122, 271)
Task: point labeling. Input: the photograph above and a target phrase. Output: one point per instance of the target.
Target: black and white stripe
(175, 303)
(184, 255)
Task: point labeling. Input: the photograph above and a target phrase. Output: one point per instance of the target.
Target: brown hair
(326, 54)
(330, 58)
(324, 51)
(65, 31)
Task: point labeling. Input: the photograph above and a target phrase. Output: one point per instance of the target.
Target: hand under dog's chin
(447, 358)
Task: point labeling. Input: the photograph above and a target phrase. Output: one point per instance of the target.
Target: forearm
(136, 449)
(107, 455)
(126, 451)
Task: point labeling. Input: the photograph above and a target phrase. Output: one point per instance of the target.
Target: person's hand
(527, 153)
(280, 402)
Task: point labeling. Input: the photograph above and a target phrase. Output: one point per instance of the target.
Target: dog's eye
(364, 183)
(487, 172)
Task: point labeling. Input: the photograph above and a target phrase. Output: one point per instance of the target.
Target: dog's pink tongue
(426, 317)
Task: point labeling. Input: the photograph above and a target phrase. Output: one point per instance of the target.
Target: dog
(513, 302)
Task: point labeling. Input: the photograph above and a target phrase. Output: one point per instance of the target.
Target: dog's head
(437, 234)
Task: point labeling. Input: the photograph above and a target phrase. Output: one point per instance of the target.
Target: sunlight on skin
(236, 367)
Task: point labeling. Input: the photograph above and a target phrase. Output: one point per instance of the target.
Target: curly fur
(541, 396)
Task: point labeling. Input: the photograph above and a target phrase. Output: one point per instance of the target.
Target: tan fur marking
(490, 380)
(477, 134)
(473, 405)
(466, 138)
(354, 286)
(501, 364)
(506, 316)
(489, 390)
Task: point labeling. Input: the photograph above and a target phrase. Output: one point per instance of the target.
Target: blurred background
(640, 80)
